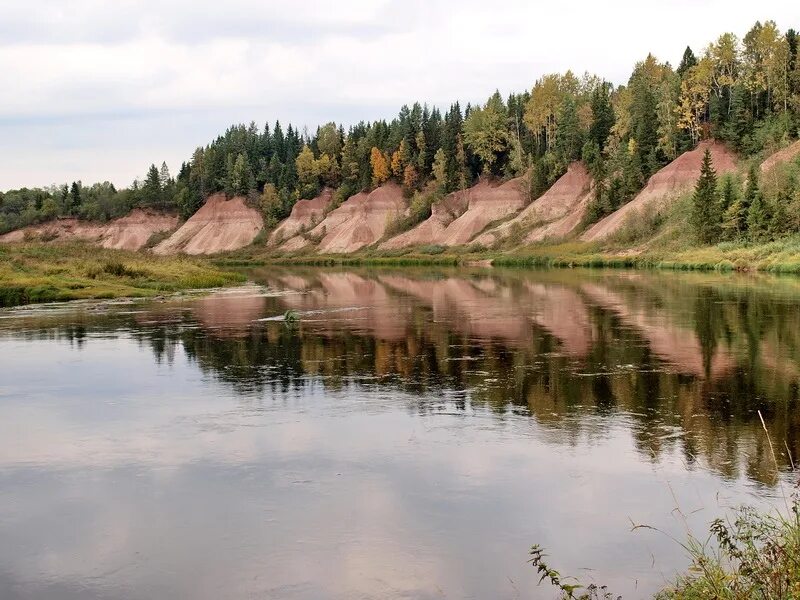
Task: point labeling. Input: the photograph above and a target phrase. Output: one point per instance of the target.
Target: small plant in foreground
(749, 555)
(569, 591)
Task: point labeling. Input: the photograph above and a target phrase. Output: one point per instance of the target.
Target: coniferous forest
(743, 91)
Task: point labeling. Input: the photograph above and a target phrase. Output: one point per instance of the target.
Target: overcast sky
(99, 89)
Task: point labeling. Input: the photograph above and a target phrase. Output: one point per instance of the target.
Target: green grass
(780, 256)
(36, 272)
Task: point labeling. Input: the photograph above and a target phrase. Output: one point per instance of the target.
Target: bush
(118, 269)
(418, 211)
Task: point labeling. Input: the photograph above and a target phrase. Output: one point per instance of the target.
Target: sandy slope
(780, 156)
(130, 232)
(305, 215)
(444, 212)
(361, 220)
(462, 215)
(554, 214)
(220, 225)
(677, 178)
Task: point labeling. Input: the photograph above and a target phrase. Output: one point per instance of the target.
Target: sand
(360, 221)
(220, 225)
(305, 215)
(556, 213)
(130, 232)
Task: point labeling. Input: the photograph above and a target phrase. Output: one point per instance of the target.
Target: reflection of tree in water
(688, 363)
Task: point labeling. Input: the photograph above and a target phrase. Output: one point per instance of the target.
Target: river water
(412, 435)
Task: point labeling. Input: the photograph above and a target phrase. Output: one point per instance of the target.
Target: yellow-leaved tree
(695, 93)
(380, 166)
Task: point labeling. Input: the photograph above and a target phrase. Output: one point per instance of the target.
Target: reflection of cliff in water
(687, 360)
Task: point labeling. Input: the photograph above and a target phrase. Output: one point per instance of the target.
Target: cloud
(99, 79)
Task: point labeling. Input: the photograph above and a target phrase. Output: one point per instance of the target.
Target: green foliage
(747, 94)
(568, 587)
(602, 115)
(688, 61)
(486, 133)
(706, 208)
(35, 272)
(418, 211)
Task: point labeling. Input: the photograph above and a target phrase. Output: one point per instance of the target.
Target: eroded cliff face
(460, 218)
(305, 215)
(781, 156)
(360, 221)
(220, 225)
(130, 232)
(462, 215)
(432, 229)
(666, 186)
(555, 214)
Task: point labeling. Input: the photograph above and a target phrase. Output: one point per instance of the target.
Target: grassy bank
(31, 272)
(781, 256)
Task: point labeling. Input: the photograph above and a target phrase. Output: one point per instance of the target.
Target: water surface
(411, 437)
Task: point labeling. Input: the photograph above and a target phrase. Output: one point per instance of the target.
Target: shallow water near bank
(410, 436)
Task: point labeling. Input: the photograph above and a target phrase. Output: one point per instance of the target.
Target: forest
(744, 91)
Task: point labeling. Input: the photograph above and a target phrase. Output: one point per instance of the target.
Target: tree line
(745, 92)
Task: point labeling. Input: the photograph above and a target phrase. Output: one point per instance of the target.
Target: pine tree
(602, 115)
(64, 198)
(569, 139)
(152, 187)
(758, 215)
(75, 196)
(751, 188)
(688, 61)
(729, 193)
(706, 216)
(734, 220)
(163, 175)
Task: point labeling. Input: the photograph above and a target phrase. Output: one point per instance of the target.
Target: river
(411, 435)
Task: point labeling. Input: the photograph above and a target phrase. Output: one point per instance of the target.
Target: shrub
(118, 269)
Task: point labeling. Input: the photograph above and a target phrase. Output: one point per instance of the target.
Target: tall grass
(748, 555)
(35, 272)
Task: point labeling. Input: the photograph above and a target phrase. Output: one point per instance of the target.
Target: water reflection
(409, 418)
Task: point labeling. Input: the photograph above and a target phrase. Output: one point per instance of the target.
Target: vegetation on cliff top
(745, 92)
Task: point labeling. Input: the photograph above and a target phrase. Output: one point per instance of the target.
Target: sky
(95, 90)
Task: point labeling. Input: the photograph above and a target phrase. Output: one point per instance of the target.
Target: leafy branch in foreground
(569, 591)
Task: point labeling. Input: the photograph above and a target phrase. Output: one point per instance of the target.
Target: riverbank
(781, 256)
(42, 272)
(38, 272)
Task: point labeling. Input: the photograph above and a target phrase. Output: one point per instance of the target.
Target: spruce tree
(729, 194)
(75, 196)
(569, 140)
(750, 189)
(152, 187)
(758, 219)
(706, 215)
(687, 62)
(602, 115)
